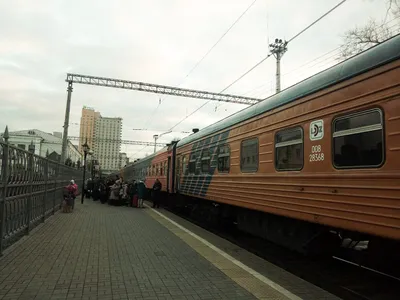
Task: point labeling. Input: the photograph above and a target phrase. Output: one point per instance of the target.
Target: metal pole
(31, 171)
(155, 142)
(278, 72)
(30, 197)
(66, 122)
(57, 170)
(84, 174)
(278, 49)
(46, 179)
(3, 199)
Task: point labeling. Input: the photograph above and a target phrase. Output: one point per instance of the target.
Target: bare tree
(374, 32)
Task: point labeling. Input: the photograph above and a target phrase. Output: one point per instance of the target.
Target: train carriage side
(157, 165)
(329, 157)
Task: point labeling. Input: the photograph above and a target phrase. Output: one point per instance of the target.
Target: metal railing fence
(31, 190)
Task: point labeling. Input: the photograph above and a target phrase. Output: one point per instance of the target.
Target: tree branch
(361, 38)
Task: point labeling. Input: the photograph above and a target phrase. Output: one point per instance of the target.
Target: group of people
(119, 192)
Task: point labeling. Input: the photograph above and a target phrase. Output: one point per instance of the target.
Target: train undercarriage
(310, 239)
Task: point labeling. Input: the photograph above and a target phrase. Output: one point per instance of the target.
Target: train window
(178, 166)
(249, 155)
(192, 163)
(184, 166)
(358, 140)
(289, 154)
(205, 161)
(224, 153)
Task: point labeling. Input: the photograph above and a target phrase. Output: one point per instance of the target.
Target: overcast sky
(157, 41)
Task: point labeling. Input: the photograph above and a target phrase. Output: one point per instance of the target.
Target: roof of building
(46, 137)
(361, 63)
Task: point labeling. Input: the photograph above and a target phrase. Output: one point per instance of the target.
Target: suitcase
(135, 201)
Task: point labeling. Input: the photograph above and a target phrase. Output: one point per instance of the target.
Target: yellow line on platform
(257, 284)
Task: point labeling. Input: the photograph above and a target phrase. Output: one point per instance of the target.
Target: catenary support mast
(143, 87)
(278, 49)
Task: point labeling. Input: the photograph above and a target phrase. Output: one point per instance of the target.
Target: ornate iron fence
(31, 190)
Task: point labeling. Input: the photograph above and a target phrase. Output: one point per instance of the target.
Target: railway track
(336, 275)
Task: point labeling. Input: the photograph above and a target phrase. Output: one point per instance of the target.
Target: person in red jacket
(72, 190)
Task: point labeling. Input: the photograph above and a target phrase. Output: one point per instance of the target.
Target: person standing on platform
(132, 191)
(90, 187)
(96, 189)
(72, 190)
(156, 193)
(103, 192)
(141, 187)
(115, 193)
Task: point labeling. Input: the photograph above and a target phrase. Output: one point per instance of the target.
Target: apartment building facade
(87, 127)
(103, 136)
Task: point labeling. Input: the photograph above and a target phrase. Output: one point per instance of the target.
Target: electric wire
(204, 56)
(260, 62)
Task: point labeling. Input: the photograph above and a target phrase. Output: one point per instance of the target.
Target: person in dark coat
(132, 191)
(90, 186)
(141, 187)
(103, 192)
(156, 193)
(96, 189)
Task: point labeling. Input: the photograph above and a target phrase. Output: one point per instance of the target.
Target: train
(306, 168)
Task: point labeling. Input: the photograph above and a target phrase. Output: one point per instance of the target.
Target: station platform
(106, 252)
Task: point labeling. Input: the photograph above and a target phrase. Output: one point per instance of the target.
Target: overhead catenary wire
(262, 60)
(208, 101)
(204, 56)
(301, 32)
(316, 21)
(220, 39)
(315, 60)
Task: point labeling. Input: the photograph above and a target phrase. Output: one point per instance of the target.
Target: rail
(31, 190)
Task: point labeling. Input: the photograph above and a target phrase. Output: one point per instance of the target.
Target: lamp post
(86, 151)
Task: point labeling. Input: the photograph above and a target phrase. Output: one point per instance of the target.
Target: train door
(168, 172)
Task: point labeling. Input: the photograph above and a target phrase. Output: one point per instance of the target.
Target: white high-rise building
(107, 142)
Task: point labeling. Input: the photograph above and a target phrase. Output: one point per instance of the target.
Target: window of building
(22, 146)
(192, 163)
(224, 153)
(358, 140)
(289, 149)
(205, 161)
(249, 155)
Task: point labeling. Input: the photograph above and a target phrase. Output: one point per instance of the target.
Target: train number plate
(316, 154)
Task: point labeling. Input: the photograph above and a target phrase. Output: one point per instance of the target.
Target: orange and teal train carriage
(306, 168)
